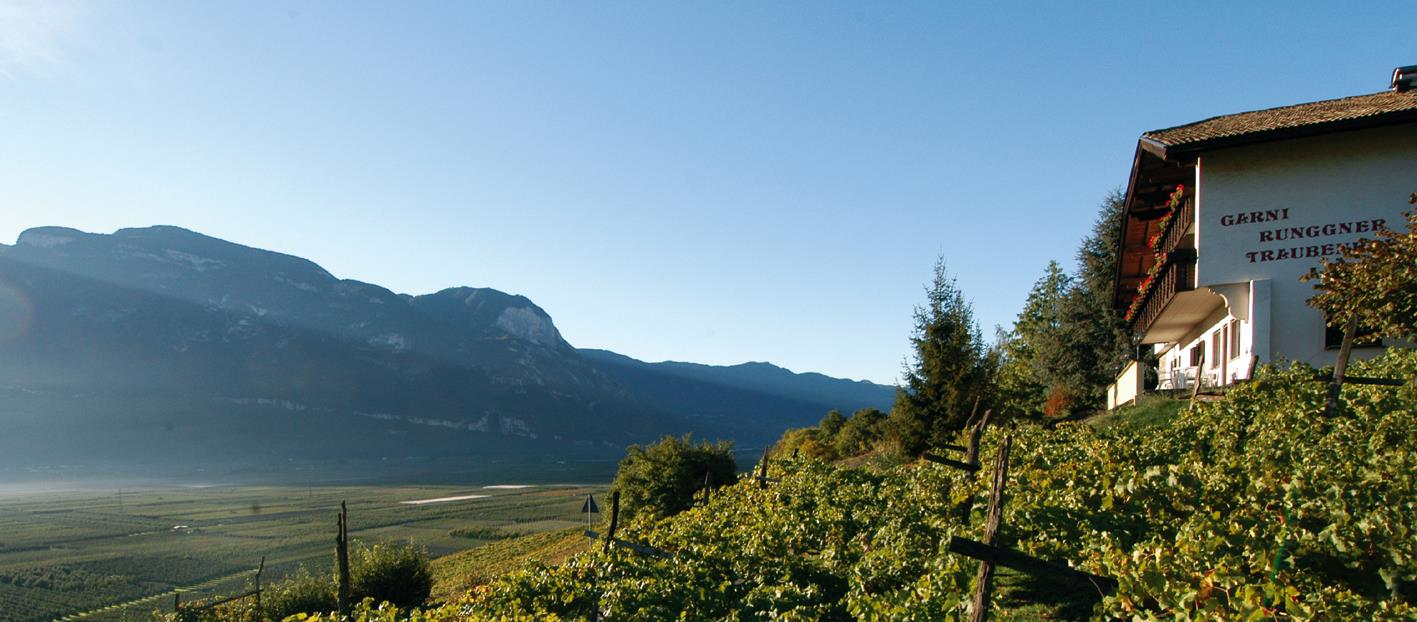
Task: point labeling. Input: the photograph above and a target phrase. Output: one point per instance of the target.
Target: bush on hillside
(301, 592)
(836, 438)
(397, 574)
(394, 573)
(663, 478)
(861, 433)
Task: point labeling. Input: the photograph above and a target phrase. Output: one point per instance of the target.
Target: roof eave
(1192, 149)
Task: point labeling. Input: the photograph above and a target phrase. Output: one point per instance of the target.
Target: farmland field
(101, 555)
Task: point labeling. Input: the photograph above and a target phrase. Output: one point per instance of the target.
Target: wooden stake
(1086, 584)
(971, 452)
(1200, 373)
(969, 423)
(963, 466)
(1350, 330)
(259, 569)
(763, 471)
(983, 582)
(342, 559)
(614, 519)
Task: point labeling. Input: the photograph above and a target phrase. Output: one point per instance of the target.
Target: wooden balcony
(1178, 275)
(1175, 234)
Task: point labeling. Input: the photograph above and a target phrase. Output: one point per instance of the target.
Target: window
(1364, 337)
(1216, 343)
(1198, 354)
(1234, 338)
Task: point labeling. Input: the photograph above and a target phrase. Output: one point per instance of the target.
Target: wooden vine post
(259, 569)
(342, 559)
(614, 519)
(612, 541)
(1335, 388)
(983, 582)
(763, 471)
(971, 452)
(1064, 578)
(1200, 373)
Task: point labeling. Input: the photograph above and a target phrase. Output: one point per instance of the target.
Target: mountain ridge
(202, 339)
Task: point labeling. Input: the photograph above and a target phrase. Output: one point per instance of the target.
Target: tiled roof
(1361, 110)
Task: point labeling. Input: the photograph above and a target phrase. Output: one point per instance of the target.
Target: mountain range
(160, 345)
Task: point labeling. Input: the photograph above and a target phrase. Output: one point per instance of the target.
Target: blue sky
(713, 182)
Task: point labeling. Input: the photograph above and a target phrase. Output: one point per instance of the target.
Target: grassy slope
(454, 575)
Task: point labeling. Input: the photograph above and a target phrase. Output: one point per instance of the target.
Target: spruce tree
(1036, 354)
(1110, 344)
(1069, 342)
(948, 370)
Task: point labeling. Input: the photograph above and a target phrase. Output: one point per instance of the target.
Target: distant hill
(754, 397)
(163, 345)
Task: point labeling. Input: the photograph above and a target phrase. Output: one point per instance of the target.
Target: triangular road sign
(590, 505)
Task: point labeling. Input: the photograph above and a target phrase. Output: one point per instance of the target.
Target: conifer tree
(948, 370)
(1109, 344)
(1069, 342)
(1035, 353)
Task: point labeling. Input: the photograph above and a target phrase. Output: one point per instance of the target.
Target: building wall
(1333, 188)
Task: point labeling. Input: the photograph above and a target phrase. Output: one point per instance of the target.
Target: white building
(1262, 197)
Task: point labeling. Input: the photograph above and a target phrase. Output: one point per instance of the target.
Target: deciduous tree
(1375, 279)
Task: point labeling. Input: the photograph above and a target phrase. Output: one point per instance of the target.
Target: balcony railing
(1175, 232)
(1179, 275)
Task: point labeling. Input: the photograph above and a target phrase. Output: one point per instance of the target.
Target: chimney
(1404, 78)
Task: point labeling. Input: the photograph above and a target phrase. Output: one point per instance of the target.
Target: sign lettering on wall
(1306, 233)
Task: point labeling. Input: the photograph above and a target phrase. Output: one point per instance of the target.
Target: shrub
(301, 592)
(663, 478)
(861, 432)
(393, 573)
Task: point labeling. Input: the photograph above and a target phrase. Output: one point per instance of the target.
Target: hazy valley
(231, 358)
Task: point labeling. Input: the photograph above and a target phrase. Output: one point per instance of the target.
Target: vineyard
(1255, 507)
(105, 555)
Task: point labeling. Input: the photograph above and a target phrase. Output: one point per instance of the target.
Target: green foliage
(396, 574)
(1250, 508)
(393, 573)
(1153, 411)
(299, 593)
(1035, 356)
(950, 368)
(454, 575)
(1068, 342)
(831, 423)
(663, 478)
(1374, 279)
(482, 533)
(861, 433)
(836, 437)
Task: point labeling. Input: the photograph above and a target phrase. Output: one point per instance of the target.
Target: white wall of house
(1268, 212)
(1227, 345)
